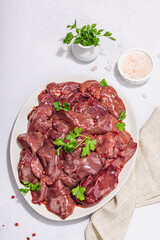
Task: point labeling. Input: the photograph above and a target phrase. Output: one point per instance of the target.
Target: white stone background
(32, 53)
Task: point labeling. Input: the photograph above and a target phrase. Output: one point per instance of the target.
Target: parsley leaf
(70, 136)
(24, 190)
(113, 39)
(122, 116)
(92, 144)
(100, 31)
(58, 106)
(77, 40)
(93, 26)
(79, 192)
(35, 187)
(86, 149)
(77, 131)
(89, 145)
(120, 126)
(75, 134)
(103, 83)
(67, 107)
(72, 26)
(59, 142)
(68, 38)
(107, 34)
(70, 146)
(29, 186)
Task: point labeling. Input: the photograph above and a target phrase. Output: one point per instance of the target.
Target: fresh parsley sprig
(120, 125)
(70, 146)
(87, 35)
(58, 106)
(79, 192)
(29, 186)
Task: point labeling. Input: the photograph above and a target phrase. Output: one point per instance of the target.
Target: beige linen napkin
(142, 187)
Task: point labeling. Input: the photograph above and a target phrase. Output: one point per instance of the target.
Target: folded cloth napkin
(142, 188)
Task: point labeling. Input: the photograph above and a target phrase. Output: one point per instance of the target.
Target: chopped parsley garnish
(72, 144)
(58, 106)
(103, 83)
(79, 192)
(29, 186)
(122, 116)
(120, 125)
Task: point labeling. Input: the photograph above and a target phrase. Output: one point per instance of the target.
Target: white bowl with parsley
(86, 46)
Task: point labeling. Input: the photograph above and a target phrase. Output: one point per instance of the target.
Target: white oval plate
(21, 127)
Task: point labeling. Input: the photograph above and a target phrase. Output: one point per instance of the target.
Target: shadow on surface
(121, 81)
(24, 203)
(68, 54)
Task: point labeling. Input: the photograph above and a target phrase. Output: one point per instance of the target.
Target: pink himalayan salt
(136, 65)
(144, 95)
(94, 68)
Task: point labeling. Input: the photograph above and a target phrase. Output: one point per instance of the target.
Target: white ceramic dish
(21, 127)
(130, 80)
(85, 53)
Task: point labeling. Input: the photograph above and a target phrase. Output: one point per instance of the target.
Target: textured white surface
(32, 53)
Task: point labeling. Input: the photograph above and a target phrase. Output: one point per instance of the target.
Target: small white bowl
(132, 80)
(85, 53)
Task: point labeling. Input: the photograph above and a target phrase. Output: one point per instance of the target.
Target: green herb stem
(82, 141)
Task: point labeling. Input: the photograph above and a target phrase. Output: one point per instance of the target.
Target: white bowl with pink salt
(135, 66)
